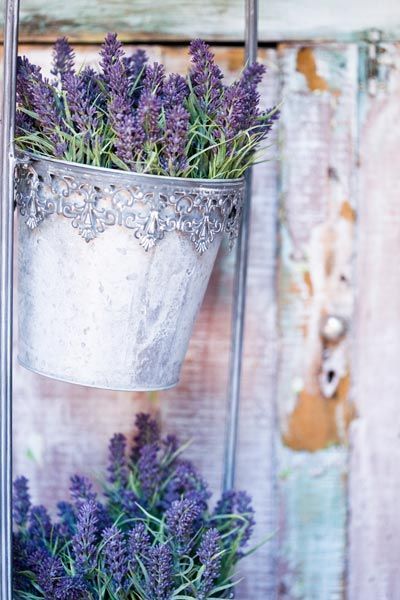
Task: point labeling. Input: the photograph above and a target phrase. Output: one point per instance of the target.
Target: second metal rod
(240, 285)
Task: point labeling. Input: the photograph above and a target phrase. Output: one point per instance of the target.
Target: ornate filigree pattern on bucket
(95, 198)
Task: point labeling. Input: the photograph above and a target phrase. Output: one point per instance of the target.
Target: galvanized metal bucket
(116, 312)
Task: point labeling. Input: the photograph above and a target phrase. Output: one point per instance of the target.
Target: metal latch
(379, 62)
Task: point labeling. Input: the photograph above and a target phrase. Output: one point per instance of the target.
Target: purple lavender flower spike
(186, 482)
(126, 131)
(176, 134)
(63, 58)
(181, 519)
(115, 556)
(148, 432)
(175, 91)
(139, 543)
(160, 574)
(26, 73)
(111, 56)
(237, 503)
(205, 76)
(81, 490)
(209, 556)
(84, 542)
(71, 588)
(239, 109)
(83, 112)
(40, 526)
(49, 116)
(148, 470)
(117, 467)
(21, 501)
(154, 78)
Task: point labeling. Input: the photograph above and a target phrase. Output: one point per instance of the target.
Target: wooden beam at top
(172, 20)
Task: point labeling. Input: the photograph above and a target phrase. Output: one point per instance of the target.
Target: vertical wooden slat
(315, 281)
(374, 526)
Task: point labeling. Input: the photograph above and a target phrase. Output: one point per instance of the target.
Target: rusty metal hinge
(379, 62)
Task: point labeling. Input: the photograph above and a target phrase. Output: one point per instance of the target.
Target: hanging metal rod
(11, 18)
(239, 288)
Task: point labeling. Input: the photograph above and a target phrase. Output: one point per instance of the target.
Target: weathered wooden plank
(211, 19)
(315, 281)
(374, 527)
(61, 428)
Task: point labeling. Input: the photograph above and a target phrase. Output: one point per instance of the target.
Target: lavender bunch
(150, 534)
(130, 115)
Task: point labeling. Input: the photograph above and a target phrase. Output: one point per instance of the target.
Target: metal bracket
(379, 63)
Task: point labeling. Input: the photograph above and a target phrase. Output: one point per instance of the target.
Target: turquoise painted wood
(211, 19)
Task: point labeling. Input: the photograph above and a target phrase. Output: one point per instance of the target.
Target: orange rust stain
(306, 65)
(347, 211)
(313, 425)
(308, 282)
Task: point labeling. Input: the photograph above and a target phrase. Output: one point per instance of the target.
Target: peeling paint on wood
(306, 65)
(169, 19)
(374, 526)
(315, 283)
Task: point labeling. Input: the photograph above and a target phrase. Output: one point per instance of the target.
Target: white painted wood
(374, 525)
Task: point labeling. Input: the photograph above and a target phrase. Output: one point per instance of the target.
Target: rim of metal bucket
(96, 198)
(185, 181)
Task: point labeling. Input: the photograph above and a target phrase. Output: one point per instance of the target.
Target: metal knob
(333, 328)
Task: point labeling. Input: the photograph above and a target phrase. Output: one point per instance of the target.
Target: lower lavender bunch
(147, 535)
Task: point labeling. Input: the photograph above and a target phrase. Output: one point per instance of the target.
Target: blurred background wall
(320, 420)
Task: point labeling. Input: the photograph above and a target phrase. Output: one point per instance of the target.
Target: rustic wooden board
(60, 429)
(315, 280)
(212, 19)
(374, 526)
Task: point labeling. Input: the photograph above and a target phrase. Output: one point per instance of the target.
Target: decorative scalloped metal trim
(149, 206)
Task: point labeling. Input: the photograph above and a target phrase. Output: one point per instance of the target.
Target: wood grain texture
(60, 428)
(374, 526)
(211, 19)
(315, 281)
